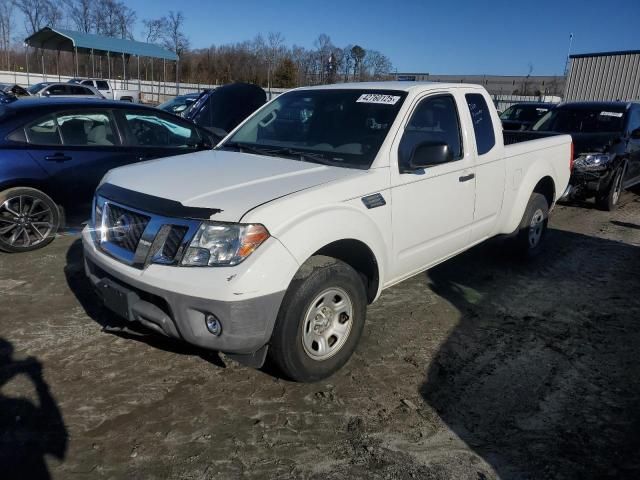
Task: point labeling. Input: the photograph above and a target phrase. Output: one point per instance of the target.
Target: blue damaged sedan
(53, 153)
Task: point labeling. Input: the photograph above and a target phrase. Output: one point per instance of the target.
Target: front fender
(305, 234)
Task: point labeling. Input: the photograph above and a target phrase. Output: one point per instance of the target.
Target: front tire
(320, 320)
(533, 227)
(29, 219)
(609, 200)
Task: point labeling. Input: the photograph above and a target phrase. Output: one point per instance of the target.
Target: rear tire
(320, 320)
(533, 227)
(609, 200)
(29, 219)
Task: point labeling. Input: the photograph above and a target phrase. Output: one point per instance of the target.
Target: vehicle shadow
(540, 375)
(28, 430)
(111, 323)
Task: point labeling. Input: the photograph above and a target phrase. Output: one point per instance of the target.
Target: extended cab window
(102, 85)
(150, 130)
(86, 128)
(482, 123)
(57, 90)
(434, 120)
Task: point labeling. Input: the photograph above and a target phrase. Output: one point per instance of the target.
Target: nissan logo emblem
(122, 228)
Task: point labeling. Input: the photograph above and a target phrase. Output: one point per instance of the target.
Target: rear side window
(43, 131)
(482, 123)
(58, 90)
(102, 85)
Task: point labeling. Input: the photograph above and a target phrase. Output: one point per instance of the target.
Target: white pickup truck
(104, 87)
(275, 242)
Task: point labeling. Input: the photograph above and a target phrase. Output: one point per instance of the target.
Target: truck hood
(232, 182)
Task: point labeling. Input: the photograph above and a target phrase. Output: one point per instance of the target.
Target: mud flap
(253, 360)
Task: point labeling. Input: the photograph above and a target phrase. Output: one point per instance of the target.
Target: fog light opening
(213, 324)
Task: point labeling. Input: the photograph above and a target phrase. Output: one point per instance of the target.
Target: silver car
(66, 90)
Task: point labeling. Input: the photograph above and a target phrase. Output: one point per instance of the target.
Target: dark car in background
(522, 116)
(180, 105)
(14, 89)
(55, 151)
(606, 139)
(221, 109)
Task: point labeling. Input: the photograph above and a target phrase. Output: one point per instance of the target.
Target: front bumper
(159, 300)
(585, 183)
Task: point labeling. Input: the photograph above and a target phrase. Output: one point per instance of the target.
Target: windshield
(336, 127)
(582, 120)
(524, 113)
(36, 88)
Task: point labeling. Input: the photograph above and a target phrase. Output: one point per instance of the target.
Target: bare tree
(275, 42)
(36, 14)
(376, 65)
(81, 14)
(6, 25)
(154, 29)
(114, 19)
(174, 37)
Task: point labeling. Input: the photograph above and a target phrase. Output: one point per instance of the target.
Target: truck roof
(391, 85)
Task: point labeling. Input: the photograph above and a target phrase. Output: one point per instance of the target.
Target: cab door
(432, 208)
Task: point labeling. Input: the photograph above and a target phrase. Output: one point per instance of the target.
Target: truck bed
(514, 136)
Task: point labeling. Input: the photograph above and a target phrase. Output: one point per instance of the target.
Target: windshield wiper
(304, 156)
(244, 147)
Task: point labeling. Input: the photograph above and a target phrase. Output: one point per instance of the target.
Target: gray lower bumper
(246, 324)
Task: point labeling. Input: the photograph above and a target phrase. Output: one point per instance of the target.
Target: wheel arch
(358, 256)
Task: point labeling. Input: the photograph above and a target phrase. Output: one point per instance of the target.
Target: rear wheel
(533, 227)
(29, 219)
(320, 321)
(609, 199)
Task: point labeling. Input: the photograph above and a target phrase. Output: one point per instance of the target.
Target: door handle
(57, 157)
(466, 178)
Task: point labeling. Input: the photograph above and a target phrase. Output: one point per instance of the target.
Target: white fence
(150, 92)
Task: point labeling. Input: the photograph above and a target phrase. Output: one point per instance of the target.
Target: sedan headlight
(223, 244)
(593, 161)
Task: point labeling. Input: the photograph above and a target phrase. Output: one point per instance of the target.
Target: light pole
(566, 65)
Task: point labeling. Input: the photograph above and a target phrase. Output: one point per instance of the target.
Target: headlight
(593, 161)
(220, 244)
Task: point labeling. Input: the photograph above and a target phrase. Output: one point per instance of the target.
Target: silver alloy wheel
(617, 188)
(25, 221)
(536, 227)
(327, 324)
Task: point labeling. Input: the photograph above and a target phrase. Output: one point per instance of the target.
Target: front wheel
(533, 227)
(609, 199)
(29, 219)
(320, 320)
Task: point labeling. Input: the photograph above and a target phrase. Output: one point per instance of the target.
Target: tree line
(265, 60)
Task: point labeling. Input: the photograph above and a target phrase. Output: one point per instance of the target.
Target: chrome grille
(173, 242)
(140, 238)
(125, 227)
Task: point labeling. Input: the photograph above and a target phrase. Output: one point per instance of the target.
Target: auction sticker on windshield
(611, 114)
(378, 98)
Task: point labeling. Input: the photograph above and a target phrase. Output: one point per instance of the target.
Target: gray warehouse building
(604, 76)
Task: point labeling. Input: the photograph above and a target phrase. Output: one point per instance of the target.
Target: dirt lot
(483, 368)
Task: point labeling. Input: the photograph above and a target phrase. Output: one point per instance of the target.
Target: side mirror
(426, 154)
(636, 134)
(47, 93)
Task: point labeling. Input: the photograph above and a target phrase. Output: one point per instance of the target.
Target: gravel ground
(482, 368)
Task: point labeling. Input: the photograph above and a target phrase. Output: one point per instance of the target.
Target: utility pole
(566, 65)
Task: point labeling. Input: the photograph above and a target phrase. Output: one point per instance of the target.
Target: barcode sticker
(378, 98)
(611, 114)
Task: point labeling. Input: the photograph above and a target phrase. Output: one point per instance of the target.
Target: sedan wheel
(28, 219)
